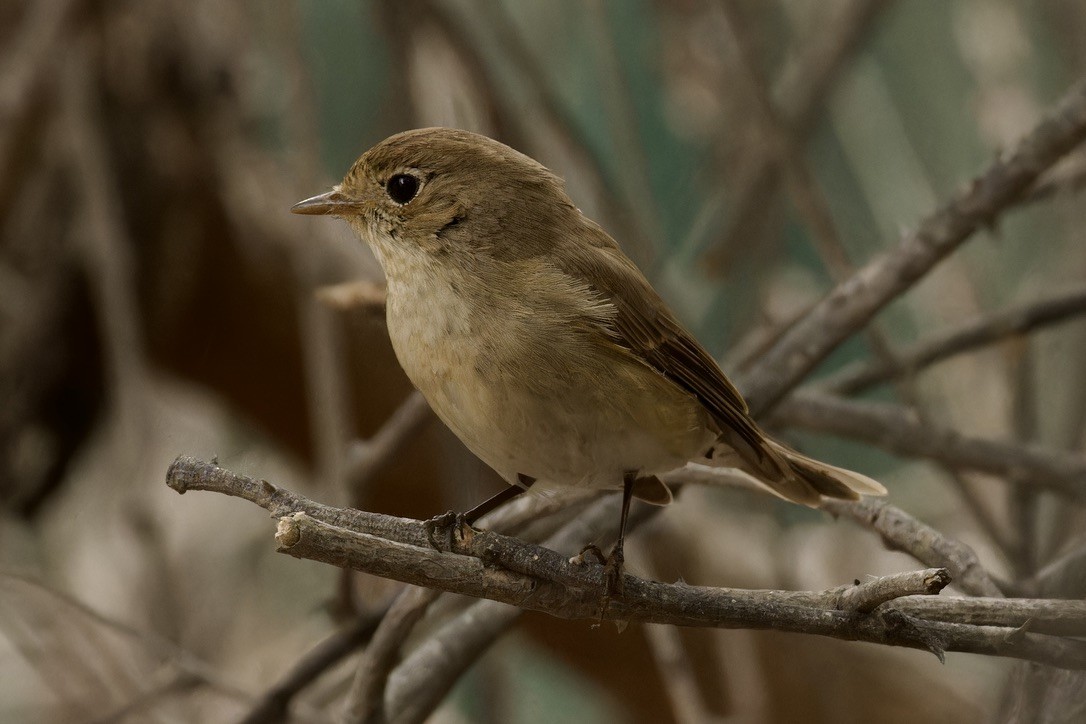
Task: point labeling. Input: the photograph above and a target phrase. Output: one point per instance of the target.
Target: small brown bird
(537, 341)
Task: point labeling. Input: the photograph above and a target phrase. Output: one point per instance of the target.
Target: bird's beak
(332, 203)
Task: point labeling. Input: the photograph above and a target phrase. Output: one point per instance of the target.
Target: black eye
(402, 188)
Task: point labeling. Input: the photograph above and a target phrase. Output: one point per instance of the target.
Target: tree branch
(892, 428)
(272, 706)
(866, 597)
(366, 698)
(492, 566)
(900, 531)
(977, 332)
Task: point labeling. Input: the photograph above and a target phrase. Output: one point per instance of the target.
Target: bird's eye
(402, 187)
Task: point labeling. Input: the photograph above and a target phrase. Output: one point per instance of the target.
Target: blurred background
(157, 298)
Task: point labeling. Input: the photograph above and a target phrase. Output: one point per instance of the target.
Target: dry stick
(850, 305)
(543, 580)
(900, 531)
(1067, 178)
(272, 706)
(867, 596)
(365, 700)
(188, 473)
(503, 569)
(1059, 617)
(982, 330)
(893, 428)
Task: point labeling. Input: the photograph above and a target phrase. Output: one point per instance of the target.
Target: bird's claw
(445, 529)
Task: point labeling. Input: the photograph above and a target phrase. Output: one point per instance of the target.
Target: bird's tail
(802, 479)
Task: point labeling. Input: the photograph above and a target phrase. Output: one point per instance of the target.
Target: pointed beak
(332, 203)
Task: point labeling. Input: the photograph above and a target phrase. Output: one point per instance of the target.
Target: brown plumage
(536, 340)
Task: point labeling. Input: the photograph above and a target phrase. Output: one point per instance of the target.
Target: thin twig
(1066, 178)
(900, 531)
(1060, 617)
(365, 700)
(272, 706)
(980, 331)
(867, 596)
(893, 428)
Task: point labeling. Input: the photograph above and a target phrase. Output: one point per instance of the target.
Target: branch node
(288, 532)
(907, 627)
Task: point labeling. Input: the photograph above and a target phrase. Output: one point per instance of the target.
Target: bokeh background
(157, 299)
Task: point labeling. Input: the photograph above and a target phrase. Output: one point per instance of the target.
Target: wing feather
(645, 326)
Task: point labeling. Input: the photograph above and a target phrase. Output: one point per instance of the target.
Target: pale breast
(526, 390)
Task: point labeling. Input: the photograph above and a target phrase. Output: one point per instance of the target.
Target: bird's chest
(433, 332)
(443, 336)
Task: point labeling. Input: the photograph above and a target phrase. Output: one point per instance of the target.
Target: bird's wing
(645, 326)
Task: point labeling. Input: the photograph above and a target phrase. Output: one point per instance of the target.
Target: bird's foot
(613, 571)
(443, 530)
(579, 559)
(612, 583)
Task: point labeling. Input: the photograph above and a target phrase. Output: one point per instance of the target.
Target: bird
(538, 342)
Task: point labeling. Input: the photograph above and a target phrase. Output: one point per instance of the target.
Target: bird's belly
(582, 424)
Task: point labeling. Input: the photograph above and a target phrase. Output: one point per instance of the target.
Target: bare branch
(893, 428)
(188, 473)
(900, 531)
(867, 596)
(419, 684)
(489, 565)
(365, 700)
(977, 332)
(1064, 179)
(850, 305)
(1064, 618)
(272, 706)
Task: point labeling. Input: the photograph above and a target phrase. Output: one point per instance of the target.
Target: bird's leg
(447, 524)
(613, 568)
